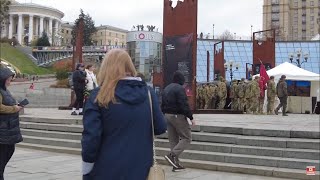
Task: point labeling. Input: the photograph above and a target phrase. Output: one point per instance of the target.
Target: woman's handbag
(156, 172)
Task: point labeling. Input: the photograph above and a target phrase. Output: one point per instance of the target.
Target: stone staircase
(27, 51)
(251, 151)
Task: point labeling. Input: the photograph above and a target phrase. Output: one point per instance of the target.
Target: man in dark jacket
(79, 84)
(176, 109)
(9, 120)
(282, 94)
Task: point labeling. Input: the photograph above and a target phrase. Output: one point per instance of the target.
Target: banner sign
(178, 57)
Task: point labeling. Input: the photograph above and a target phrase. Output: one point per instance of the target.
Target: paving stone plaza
(225, 146)
(231, 146)
(43, 165)
(29, 164)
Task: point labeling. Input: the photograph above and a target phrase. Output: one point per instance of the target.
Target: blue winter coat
(118, 139)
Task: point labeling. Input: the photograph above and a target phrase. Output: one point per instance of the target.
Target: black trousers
(6, 152)
(79, 98)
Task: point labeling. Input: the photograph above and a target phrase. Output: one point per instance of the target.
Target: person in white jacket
(91, 80)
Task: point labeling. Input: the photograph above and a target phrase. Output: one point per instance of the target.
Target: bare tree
(226, 35)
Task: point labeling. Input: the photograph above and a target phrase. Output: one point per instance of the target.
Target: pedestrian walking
(79, 84)
(117, 136)
(9, 120)
(176, 108)
(282, 93)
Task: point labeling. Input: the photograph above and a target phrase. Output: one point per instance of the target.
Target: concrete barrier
(47, 97)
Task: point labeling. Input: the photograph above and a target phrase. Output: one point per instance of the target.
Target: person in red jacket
(31, 86)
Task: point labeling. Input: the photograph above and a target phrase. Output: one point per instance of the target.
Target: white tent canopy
(297, 104)
(292, 72)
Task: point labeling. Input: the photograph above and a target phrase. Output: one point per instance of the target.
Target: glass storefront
(241, 52)
(145, 50)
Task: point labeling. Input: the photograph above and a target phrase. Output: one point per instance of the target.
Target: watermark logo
(311, 170)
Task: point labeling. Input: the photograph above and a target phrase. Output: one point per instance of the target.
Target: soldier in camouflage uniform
(222, 93)
(234, 95)
(213, 90)
(198, 96)
(207, 96)
(271, 95)
(247, 96)
(255, 95)
(202, 96)
(240, 91)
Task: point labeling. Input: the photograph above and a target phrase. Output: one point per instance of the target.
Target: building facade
(145, 50)
(104, 36)
(294, 20)
(109, 36)
(27, 21)
(66, 33)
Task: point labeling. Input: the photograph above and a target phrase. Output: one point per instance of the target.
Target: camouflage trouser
(207, 103)
(283, 104)
(254, 104)
(213, 103)
(235, 104)
(222, 103)
(198, 103)
(270, 105)
(242, 102)
(201, 103)
(247, 104)
(261, 103)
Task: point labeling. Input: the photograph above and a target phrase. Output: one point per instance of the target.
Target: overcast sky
(237, 16)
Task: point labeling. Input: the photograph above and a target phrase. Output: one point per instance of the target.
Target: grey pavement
(41, 165)
(38, 85)
(296, 122)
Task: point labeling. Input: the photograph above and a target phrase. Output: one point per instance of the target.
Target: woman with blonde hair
(117, 135)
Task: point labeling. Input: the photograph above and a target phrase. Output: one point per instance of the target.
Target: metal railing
(70, 48)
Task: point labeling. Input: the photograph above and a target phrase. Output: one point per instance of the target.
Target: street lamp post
(248, 71)
(297, 56)
(228, 66)
(213, 31)
(251, 32)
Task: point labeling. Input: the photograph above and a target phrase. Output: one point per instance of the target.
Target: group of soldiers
(245, 95)
(212, 96)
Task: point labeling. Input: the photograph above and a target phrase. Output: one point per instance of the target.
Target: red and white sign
(144, 36)
(141, 36)
(311, 170)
